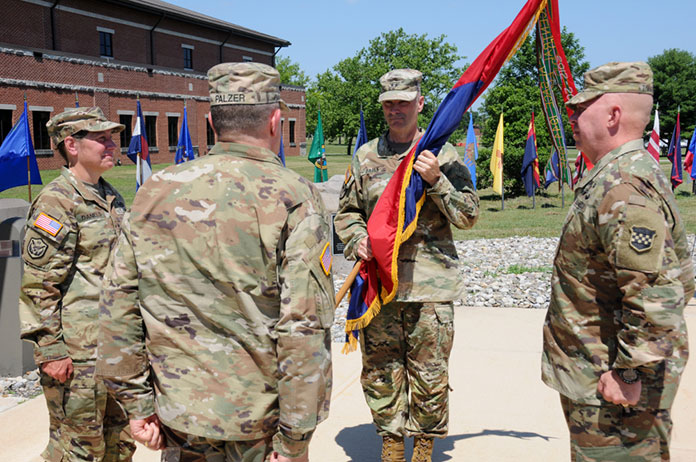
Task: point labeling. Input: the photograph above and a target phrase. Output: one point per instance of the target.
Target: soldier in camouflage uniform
(406, 347)
(71, 228)
(615, 340)
(218, 302)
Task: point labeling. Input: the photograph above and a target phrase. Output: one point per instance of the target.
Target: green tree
(290, 72)
(354, 82)
(515, 93)
(674, 81)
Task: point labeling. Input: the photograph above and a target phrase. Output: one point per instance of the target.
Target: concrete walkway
(500, 409)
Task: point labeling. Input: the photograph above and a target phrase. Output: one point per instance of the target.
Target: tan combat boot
(422, 449)
(393, 449)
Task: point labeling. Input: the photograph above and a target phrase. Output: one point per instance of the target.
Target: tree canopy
(674, 81)
(290, 72)
(354, 82)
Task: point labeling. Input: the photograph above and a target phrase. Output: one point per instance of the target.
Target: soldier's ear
(274, 122)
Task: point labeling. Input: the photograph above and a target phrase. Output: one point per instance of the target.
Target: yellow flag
(497, 158)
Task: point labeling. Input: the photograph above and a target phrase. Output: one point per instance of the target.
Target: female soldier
(71, 227)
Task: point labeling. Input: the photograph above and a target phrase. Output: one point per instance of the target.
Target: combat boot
(422, 449)
(393, 449)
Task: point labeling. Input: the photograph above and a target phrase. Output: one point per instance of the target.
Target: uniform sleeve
(454, 192)
(48, 251)
(351, 219)
(121, 355)
(303, 328)
(638, 239)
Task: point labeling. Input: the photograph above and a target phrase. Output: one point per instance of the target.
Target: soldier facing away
(72, 225)
(218, 300)
(406, 347)
(615, 340)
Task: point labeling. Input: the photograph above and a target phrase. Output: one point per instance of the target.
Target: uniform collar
(88, 192)
(611, 156)
(384, 148)
(246, 151)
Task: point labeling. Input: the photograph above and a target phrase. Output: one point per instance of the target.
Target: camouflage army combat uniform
(406, 347)
(70, 230)
(220, 297)
(622, 276)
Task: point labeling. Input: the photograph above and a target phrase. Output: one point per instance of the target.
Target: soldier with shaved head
(615, 341)
(218, 300)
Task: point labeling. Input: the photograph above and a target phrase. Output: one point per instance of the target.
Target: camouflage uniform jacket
(428, 263)
(216, 296)
(622, 276)
(69, 235)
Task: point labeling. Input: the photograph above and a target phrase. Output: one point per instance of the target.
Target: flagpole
(347, 283)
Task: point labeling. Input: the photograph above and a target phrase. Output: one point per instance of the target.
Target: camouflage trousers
(183, 447)
(85, 423)
(617, 433)
(405, 355)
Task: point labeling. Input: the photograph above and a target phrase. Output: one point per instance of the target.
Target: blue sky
(323, 33)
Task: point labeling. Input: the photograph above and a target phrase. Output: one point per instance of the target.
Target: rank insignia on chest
(48, 224)
(641, 239)
(326, 259)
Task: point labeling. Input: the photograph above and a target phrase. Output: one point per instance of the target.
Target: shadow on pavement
(362, 444)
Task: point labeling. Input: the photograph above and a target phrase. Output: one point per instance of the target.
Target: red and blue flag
(395, 215)
(530, 162)
(139, 152)
(675, 156)
(689, 160)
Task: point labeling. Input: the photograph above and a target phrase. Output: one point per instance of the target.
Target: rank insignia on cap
(326, 259)
(36, 248)
(641, 239)
(48, 224)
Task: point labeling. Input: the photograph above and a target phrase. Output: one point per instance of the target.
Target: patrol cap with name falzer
(244, 83)
(400, 84)
(74, 120)
(615, 77)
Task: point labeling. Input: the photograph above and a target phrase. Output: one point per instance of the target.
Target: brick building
(108, 53)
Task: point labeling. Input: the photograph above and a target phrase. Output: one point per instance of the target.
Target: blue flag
(14, 152)
(674, 154)
(281, 152)
(184, 147)
(471, 140)
(552, 170)
(530, 162)
(362, 134)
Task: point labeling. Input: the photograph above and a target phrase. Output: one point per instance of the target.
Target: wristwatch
(628, 376)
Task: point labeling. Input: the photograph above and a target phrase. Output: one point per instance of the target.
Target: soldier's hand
(365, 249)
(60, 369)
(275, 457)
(429, 168)
(616, 391)
(147, 432)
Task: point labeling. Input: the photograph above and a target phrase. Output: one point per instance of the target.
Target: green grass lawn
(517, 219)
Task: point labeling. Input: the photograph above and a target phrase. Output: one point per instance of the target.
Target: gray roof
(195, 17)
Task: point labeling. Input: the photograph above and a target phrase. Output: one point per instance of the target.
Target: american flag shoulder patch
(326, 259)
(48, 224)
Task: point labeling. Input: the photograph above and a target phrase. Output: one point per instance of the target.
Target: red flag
(654, 143)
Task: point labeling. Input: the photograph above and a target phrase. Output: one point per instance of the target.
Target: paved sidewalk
(500, 409)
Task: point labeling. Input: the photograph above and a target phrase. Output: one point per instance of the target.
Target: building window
(172, 125)
(188, 58)
(39, 120)
(291, 135)
(127, 120)
(5, 123)
(151, 131)
(209, 133)
(105, 44)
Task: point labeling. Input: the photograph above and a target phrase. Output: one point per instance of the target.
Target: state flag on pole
(675, 156)
(139, 152)
(497, 158)
(362, 134)
(184, 147)
(470, 160)
(281, 151)
(15, 150)
(552, 172)
(530, 162)
(654, 143)
(690, 151)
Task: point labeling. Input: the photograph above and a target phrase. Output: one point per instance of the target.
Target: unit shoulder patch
(326, 259)
(642, 238)
(36, 248)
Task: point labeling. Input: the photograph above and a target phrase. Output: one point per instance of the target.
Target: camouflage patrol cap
(615, 77)
(244, 83)
(77, 119)
(400, 84)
